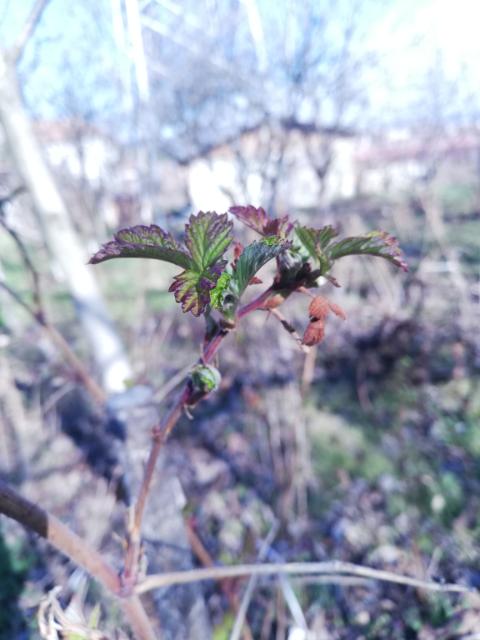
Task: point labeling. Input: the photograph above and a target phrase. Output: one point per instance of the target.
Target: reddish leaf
(337, 310)
(259, 221)
(319, 308)
(318, 311)
(314, 333)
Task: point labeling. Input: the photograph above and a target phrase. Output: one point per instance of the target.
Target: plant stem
(46, 525)
(138, 619)
(333, 569)
(160, 434)
(255, 304)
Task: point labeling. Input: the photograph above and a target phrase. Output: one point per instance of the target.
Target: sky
(408, 36)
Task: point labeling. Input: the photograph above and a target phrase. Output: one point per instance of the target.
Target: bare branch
(39, 314)
(61, 537)
(18, 299)
(331, 569)
(28, 29)
(33, 517)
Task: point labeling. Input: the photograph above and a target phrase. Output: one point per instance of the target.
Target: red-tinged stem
(160, 434)
(213, 346)
(46, 525)
(254, 305)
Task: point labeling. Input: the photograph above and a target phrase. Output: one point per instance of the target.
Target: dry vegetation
(364, 451)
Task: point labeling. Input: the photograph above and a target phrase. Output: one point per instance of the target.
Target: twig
(289, 328)
(138, 619)
(18, 299)
(62, 345)
(290, 597)
(306, 291)
(75, 364)
(37, 294)
(257, 303)
(28, 29)
(39, 314)
(331, 569)
(76, 549)
(308, 371)
(341, 581)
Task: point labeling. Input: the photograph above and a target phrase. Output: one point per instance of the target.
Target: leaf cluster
(208, 282)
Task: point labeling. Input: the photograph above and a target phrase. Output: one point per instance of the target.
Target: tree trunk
(59, 233)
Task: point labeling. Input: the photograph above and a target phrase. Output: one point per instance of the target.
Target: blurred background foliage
(363, 115)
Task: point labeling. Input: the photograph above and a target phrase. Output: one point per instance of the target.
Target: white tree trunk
(60, 235)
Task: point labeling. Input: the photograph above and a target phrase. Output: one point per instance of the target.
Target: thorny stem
(160, 434)
(76, 549)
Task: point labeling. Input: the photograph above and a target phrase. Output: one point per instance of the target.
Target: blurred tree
(49, 206)
(218, 73)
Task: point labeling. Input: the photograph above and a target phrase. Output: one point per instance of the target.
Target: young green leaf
(253, 258)
(207, 236)
(143, 242)
(221, 290)
(375, 243)
(315, 241)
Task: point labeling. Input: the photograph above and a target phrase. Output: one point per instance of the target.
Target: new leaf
(230, 286)
(258, 220)
(318, 244)
(375, 243)
(207, 236)
(315, 242)
(253, 258)
(143, 242)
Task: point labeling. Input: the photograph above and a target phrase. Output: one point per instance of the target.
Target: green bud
(205, 378)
